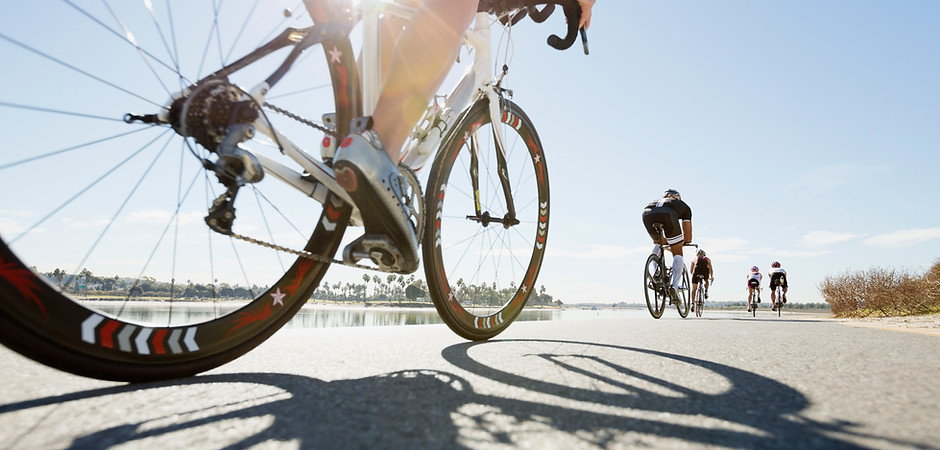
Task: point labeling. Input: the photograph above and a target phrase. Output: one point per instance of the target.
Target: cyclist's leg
(366, 164)
(422, 56)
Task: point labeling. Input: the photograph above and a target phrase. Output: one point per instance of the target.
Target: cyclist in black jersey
(676, 218)
(702, 273)
(778, 277)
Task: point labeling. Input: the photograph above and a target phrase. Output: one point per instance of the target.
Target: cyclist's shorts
(777, 280)
(670, 220)
(698, 278)
(753, 283)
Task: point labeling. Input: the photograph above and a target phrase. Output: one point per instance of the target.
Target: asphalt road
(725, 380)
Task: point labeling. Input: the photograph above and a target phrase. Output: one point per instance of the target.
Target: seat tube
(371, 54)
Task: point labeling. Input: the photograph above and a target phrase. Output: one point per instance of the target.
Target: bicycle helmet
(700, 252)
(775, 265)
(754, 269)
(672, 193)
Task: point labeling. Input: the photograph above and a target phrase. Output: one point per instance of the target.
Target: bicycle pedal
(380, 250)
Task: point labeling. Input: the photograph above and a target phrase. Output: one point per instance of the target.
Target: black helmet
(672, 193)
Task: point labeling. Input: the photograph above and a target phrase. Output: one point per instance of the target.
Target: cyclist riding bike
(366, 162)
(753, 284)
(676, 219)
(702, 273)
(778, 277)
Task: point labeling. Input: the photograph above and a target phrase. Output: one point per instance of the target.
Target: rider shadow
(435, 409)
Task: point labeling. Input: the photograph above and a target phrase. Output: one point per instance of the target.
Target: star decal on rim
(278, 297)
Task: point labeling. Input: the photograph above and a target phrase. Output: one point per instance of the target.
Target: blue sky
(799, 131)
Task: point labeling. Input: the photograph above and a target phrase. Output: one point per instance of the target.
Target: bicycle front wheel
(486, 222)
(685, 295)
(107, 267)
(654, 287)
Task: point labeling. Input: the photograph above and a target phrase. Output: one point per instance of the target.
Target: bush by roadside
(883, 292)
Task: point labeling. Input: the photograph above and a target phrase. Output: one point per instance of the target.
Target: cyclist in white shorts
(753, 283)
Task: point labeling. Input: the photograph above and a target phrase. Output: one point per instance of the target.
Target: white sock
(677, 266)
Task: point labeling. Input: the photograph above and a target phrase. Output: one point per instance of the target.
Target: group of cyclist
(778, 277)
(675, 216)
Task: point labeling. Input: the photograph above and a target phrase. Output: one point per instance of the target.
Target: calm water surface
(317, 316)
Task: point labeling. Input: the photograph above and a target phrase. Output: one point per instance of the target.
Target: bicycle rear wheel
(684, 295)
(482, 253)
(779, 301)
(653, 286)
(107, 268)
(699, 301)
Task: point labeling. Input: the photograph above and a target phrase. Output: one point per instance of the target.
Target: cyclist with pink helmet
(753, 283)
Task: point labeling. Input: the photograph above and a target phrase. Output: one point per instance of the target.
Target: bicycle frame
(476, 83)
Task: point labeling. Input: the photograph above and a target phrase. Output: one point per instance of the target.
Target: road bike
(753, 300)
(129, 122)
(698, 297)
(778, 302)
(657, 282)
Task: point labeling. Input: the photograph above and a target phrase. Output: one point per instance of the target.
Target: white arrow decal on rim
(88, 327)
(190, 339)
(141, 341)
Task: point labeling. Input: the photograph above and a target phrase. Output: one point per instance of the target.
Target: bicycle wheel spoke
(105, 221)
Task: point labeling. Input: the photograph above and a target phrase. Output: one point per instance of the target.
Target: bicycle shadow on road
(581, 394)
(745, 410)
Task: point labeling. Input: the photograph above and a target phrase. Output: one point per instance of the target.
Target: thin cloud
(597, 251)
(816, 239)
(903, 238)
(823, 179)
(721, 245)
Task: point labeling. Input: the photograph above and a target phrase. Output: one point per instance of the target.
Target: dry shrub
(882, 292)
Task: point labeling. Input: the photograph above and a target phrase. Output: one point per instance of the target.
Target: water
(309, 316)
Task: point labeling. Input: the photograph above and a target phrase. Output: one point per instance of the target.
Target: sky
(803, 132)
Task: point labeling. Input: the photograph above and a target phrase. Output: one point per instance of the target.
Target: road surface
(595, 381)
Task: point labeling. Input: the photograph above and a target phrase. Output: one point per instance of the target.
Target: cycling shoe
(371, 178)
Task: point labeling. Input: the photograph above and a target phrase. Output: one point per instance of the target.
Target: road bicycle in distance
(698, 296)
(753, 300)
(778, 302)
(133, 126)
(657, 282)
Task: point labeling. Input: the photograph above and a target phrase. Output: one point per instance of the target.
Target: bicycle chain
(302, 253)
(300, 119)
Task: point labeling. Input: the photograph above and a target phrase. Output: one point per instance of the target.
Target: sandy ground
(926, 324)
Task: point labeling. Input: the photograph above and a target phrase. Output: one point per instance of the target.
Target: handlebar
(571, 8)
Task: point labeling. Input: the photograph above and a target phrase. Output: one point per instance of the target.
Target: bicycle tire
(779, 301)
(481, 270)
(698, 302)
(45, 318)
(684, 295)
(654, 286)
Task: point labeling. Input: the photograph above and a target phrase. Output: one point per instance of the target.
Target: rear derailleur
(218, 116)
